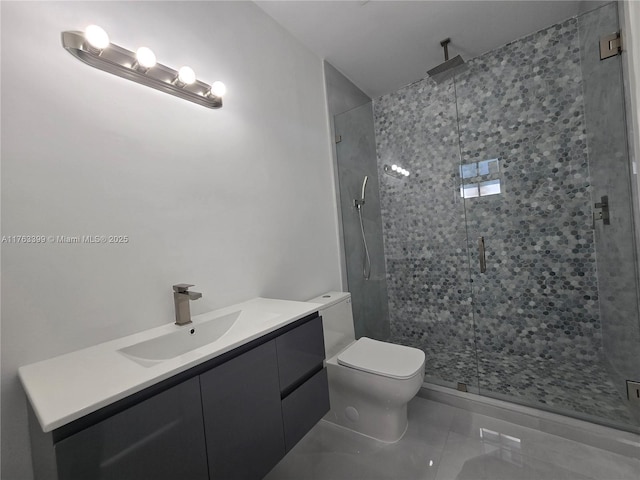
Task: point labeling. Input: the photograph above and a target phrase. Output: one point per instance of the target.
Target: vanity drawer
(304, 407)
(300, 353)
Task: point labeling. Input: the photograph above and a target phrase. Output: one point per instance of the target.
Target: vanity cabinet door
(243, 416)
(161, 438)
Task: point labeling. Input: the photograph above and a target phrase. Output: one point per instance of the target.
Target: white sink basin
(187, 338)
(73, 385)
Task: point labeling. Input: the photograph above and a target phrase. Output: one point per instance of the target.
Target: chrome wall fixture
(94, 48)
(396, 171)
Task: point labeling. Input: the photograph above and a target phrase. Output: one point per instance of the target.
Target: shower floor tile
(448, 443)
(579, 387)
(569, 387)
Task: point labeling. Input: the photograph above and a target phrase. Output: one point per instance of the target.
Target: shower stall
(508, 253)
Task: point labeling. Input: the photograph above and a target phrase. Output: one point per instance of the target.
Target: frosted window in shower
(480, 179)
(491, 187)
(469, 190)
(487, 167)
(469, 171)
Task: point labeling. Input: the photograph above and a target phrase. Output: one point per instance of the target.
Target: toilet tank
(337, 321)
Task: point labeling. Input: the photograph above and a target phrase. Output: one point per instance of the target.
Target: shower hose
(366, 269)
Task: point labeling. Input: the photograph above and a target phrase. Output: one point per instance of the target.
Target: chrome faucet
(181, 298)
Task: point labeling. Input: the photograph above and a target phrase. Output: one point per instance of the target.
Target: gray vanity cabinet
(242, 415)
(160, 438)
(232, 417)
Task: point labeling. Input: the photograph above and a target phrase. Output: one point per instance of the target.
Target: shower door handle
(481, 255)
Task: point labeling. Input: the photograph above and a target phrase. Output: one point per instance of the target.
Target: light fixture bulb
(218, 89)
(186, 75)
(406, 173)
(145, 57)
(394, 167)
(96, 37)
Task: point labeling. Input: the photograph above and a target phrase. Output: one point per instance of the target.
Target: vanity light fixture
(145, 59)
(97, 38)
(396, 171)
(186, 76)
(94, 48)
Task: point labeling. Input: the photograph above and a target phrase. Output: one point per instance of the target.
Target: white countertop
(68, 387)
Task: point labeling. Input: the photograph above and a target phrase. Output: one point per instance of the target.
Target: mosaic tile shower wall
(522, 105)
(520, 155)
(424, 228)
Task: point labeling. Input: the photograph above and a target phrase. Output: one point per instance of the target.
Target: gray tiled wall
(535, 317)
(352, 118)
(522, 104)
(424, 229)
(357, 159)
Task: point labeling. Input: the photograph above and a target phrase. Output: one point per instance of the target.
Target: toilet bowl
(370, 382)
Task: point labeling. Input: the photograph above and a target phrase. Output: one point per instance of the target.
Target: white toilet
(370, 382)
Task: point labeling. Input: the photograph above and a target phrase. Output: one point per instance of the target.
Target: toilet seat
(382, 358)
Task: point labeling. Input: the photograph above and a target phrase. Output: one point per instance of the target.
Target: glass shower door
(554, 290)
(425, 232)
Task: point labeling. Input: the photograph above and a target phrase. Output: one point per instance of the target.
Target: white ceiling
(384, 45)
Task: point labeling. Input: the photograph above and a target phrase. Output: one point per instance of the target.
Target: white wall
(239, 201)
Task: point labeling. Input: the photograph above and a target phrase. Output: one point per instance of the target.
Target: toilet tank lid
(330, 298)
(382, 358)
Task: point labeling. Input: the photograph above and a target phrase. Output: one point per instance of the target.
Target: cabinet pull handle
(481, 255)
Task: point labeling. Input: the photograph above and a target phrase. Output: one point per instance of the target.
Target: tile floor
(448, 443)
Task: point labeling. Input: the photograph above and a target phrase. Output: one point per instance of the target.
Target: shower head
(449, 67)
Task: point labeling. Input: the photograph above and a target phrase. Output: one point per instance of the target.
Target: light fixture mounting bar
(120, 61)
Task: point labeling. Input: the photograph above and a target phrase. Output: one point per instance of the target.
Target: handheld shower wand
(358, 203)
(366, 269)
(364, 187)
